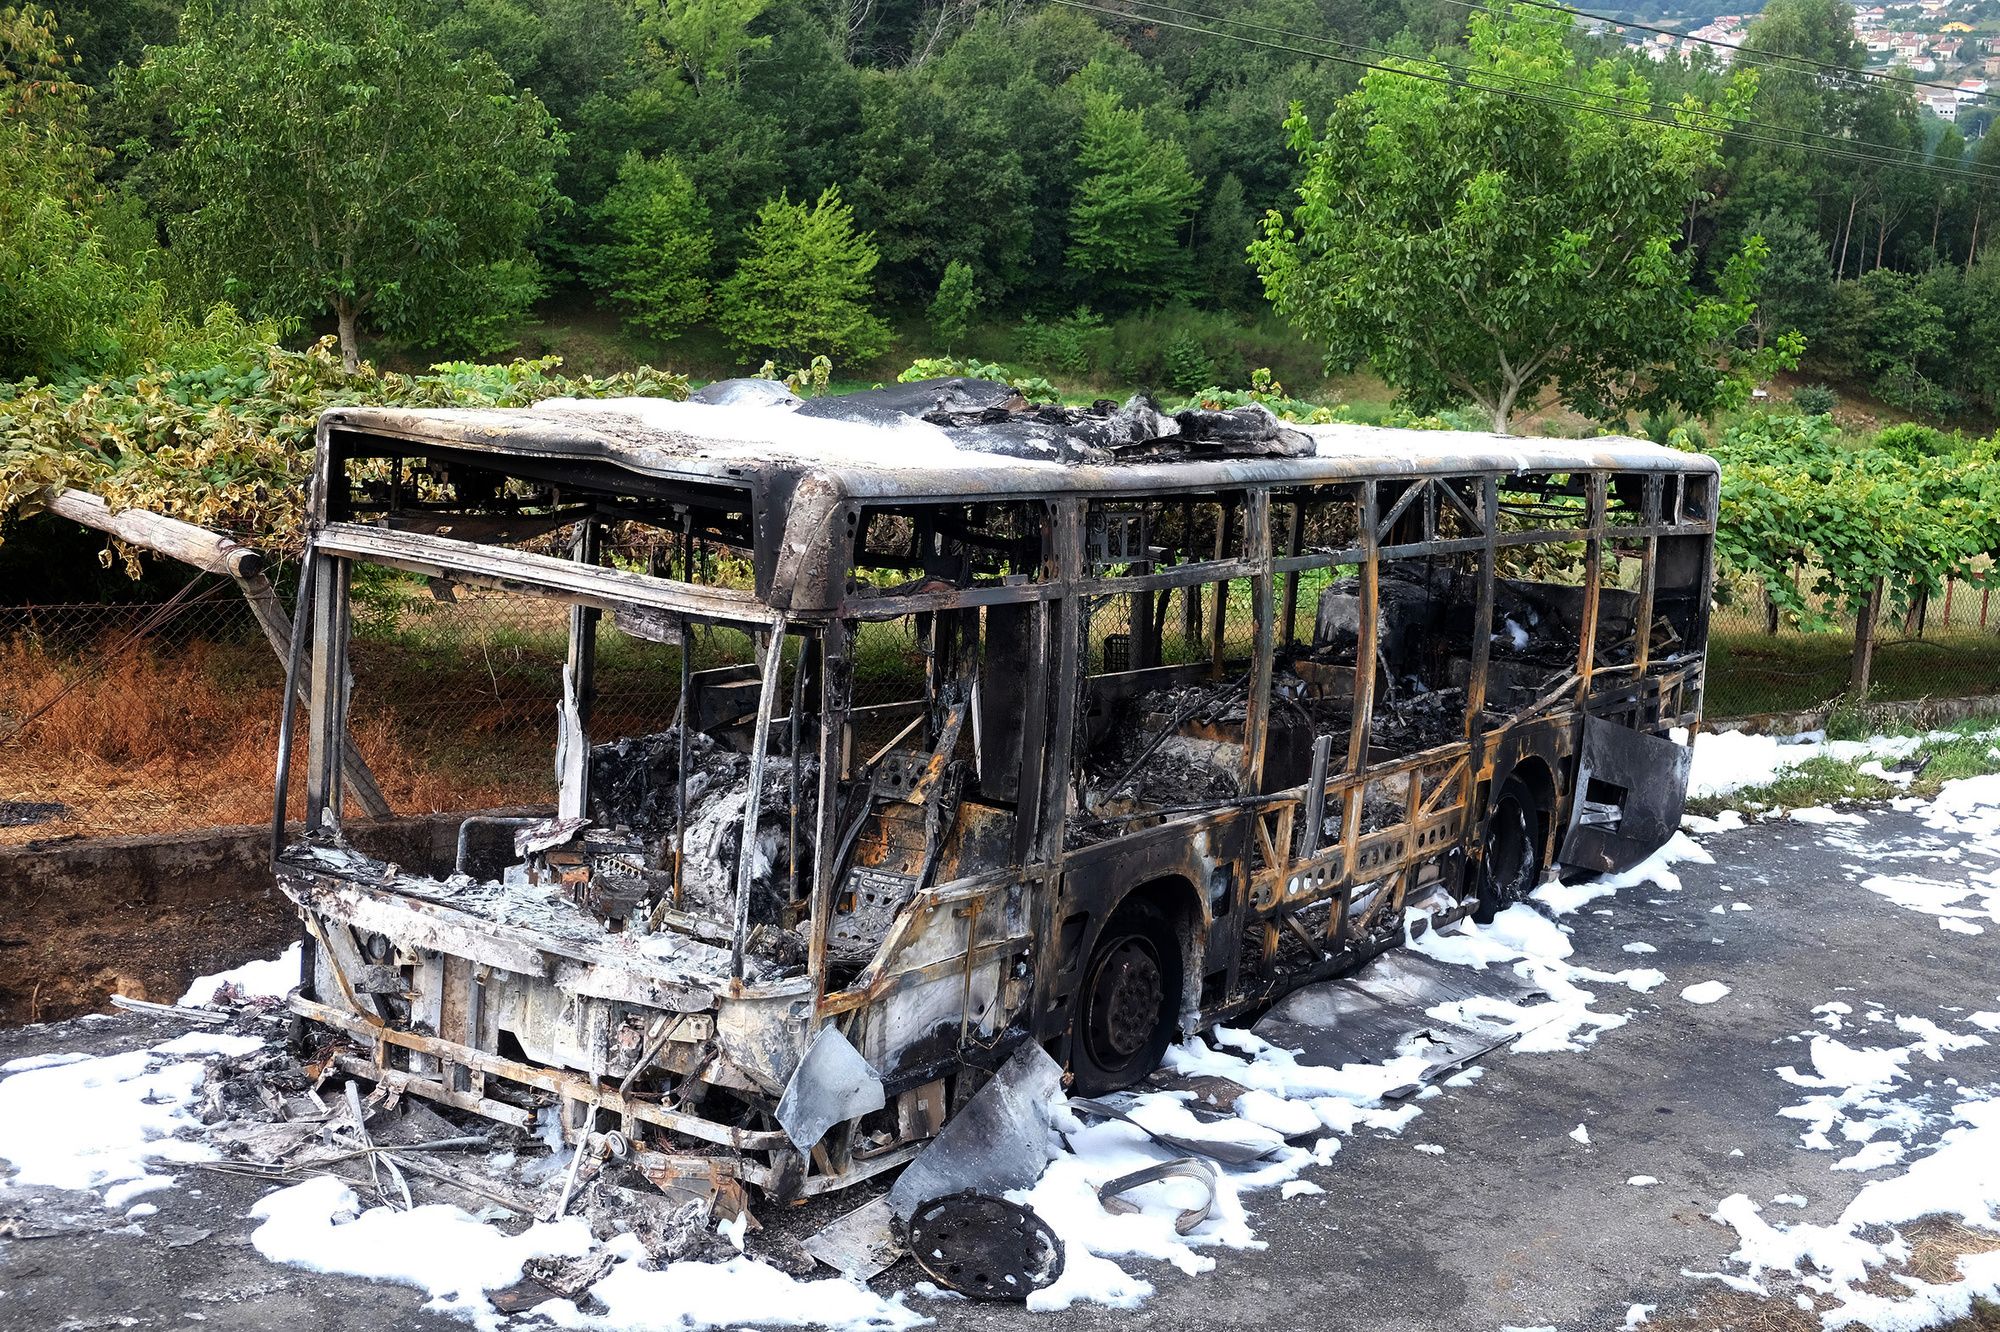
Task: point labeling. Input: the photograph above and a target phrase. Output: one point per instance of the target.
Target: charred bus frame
(999, 869)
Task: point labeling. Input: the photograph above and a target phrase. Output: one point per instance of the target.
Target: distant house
(1948, 49)
(1971, 90)
(1943, 105)
(1993, 65)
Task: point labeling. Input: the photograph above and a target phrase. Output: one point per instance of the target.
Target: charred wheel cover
(985, 1247)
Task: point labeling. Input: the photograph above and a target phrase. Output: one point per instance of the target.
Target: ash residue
(634, 785)
(1168, 747)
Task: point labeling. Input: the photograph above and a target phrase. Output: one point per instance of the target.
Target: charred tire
(1510, 861)
(1129, 1002)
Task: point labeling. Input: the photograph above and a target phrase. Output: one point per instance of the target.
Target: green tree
(59, 294)
(655, 253)
(936, 177)
(802, 286)
(333, 156)
(1222, 247)
(1797, 280)
(957, 297)
(706, 38)
(1132, 203)
(1476, 246)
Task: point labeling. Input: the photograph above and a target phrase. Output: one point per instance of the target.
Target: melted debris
(989, 417)
(27, 813)
(634, 788)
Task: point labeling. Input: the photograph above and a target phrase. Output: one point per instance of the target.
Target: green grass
(1971, 751)
(1790, 672)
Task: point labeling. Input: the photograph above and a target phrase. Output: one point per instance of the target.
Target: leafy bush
(1070, 345)
(1032, 387)
(1188, 365)
(811, 380)
(1815, 400)
(230, 446)
(1910, 440)
(1265, 391)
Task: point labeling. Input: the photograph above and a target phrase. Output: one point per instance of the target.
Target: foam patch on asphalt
(1870, 1098)
(101, 1123)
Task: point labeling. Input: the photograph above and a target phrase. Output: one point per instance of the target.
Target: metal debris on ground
(1229, 1151)
(1110, 1193)
(861, 1244)
(985, 1247)
(999, 1141)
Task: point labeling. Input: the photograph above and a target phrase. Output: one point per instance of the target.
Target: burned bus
(1176, 713)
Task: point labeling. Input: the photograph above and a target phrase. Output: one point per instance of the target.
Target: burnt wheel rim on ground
(1127, 1001)
(1509, 859)
(985, 1247)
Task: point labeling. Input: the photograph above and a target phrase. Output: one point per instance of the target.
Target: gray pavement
(1515, 1224)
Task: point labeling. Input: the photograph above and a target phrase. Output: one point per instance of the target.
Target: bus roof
(965, 439)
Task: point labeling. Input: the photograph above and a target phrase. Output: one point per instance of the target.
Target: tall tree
(1222, 247)
(334, 156)
(61, 297)
(1797, 280)
(1475, 245)
(802, 288)
(654, 250)
(1132, 203)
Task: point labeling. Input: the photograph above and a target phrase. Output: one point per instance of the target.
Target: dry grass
(166, 739)
(1936, 1245)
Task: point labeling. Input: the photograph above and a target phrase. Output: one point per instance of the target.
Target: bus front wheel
(1510, 861)
(1128, 1002)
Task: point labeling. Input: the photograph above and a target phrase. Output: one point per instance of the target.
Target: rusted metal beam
(528, 1075)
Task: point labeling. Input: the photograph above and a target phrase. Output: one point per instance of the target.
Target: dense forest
(790, 178)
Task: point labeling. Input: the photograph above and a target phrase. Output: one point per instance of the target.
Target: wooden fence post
(214, 553)
(1864, 643)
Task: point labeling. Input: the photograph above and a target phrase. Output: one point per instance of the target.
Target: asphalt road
(1515, 1224)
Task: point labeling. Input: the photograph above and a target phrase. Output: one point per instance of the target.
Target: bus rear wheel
(1510, 861)
(1128, 1002)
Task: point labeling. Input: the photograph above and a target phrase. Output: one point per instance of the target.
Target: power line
(1828, 65)
(1918, 160)
(1838, 148)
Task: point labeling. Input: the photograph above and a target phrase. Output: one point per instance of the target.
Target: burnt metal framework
(1299, 876)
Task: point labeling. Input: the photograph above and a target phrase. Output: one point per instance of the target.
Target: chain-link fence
(1762, 660)
(153, 717)
(145, 718)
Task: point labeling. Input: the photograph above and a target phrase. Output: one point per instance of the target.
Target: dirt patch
(142, 916)
(64, 953)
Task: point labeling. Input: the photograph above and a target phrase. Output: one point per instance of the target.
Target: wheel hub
(1128, 998)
